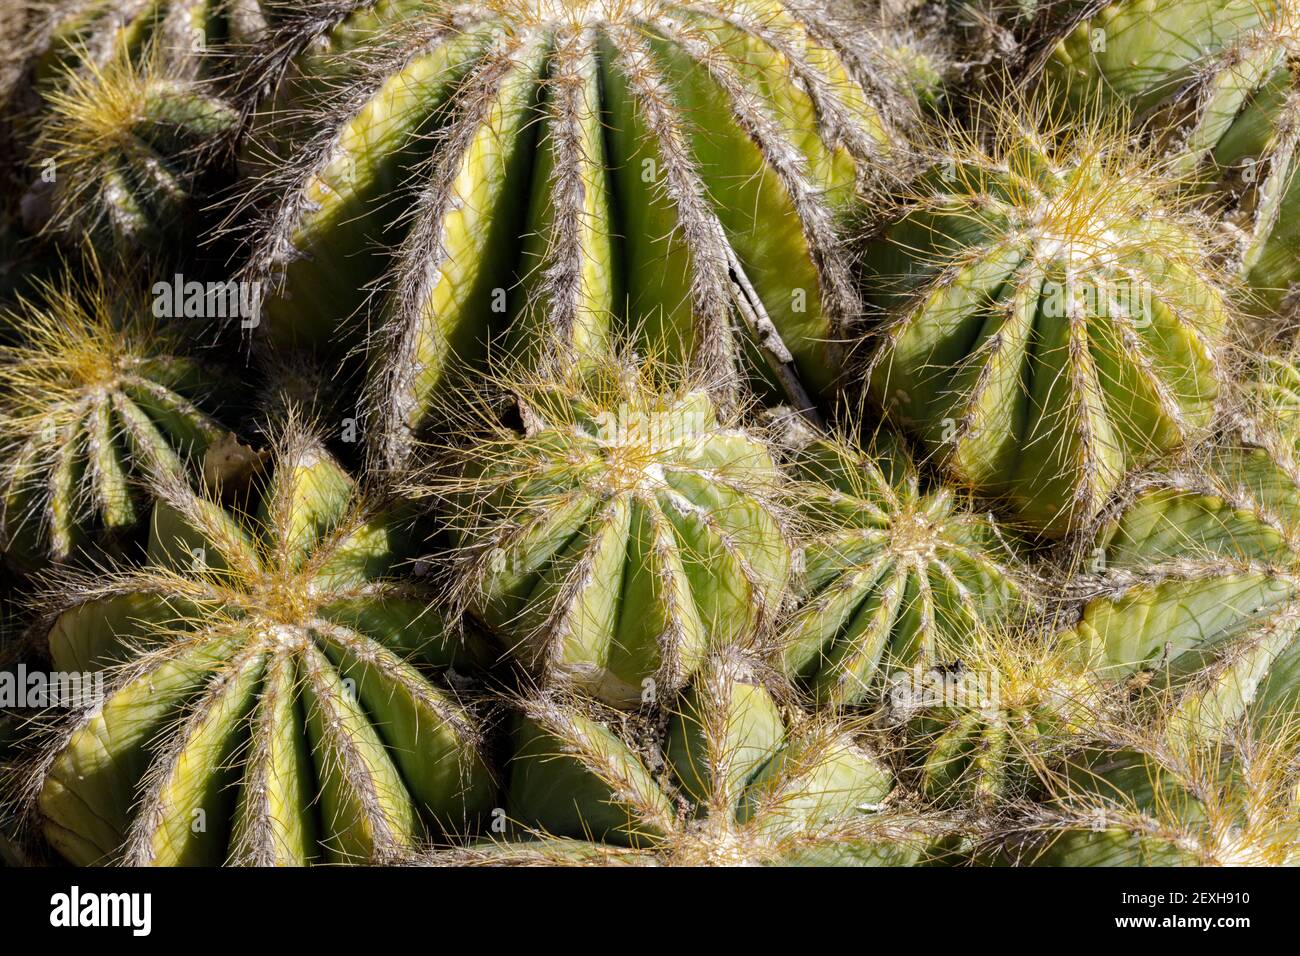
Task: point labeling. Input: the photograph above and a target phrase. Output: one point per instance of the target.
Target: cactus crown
(257, 675)
(93, 393)
(1056, 317)
(1216, 83)
(124, 142)
(992, 725)
(628, 526)
(896, 577)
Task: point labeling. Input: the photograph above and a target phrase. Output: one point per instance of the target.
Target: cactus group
(640, 432)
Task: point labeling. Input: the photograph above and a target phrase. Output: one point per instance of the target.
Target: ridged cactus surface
(120, 114)
(260, 707)
(625, 532)
(94, 395)
(649, 433)
(1199, 593)
(1049, 321)
(1232, 806)
(896, 577)
(1215, 81)
(548, 175)
(745, 787)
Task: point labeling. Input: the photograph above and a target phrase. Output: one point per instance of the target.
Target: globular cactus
(987, 727)
(69, 34)
(1052, 318)
(119, 153)
(896, 577)
(259, 706)
(743, 786)
(1216, 82)
(1146, 804)
(552, 175)
(95, 394)
(628, 528)
(123, 113)
(1199, 603)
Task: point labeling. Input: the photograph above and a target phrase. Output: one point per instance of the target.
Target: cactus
(256, 678)
(1199, 595)
(1147, 805)
(628, 529)
(1052, 319)
(119, 153)
(95, 394)
(123, 113)
(1214, 80)
(895, 578)
(70, 34)
(988, 727)
(589, 170)
(746, 787)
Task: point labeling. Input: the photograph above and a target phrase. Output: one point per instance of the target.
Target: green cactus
(743, 786)
(626, 531)
(256, 679)
(895, 578)
(583, 170)
(123, 115)
(1148, 805)
(95, 394)
(1199, 596)
(1216, 81)
(987, 728)
(1052, 319)
(75, 33)
(118, 155)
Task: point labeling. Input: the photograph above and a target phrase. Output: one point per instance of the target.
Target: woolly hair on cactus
(582, 168)
(1215, 80)
(1199, 603)
(257, 675)
(896, 577)
(119, 153)
(744, 784)
(1219, 804)
(1052, 317)
(627, 529)
(95, 394)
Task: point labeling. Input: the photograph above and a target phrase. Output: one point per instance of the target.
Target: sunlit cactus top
(118, 153)
(1052, 317)
(574, 168)
(255, 678)
(625, 531)
(896, 576)
(95, 394)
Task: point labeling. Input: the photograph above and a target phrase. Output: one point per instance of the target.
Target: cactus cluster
(642, 432)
